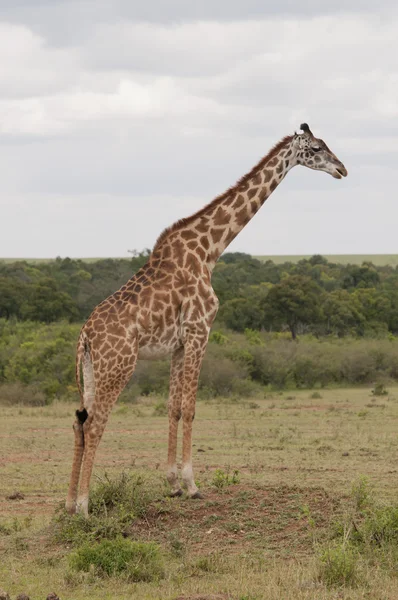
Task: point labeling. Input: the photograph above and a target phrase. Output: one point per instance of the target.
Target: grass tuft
(114, 505)
(339, 566)
(136, 561)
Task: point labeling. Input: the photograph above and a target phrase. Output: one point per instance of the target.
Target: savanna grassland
(287, 512)
(295, 440)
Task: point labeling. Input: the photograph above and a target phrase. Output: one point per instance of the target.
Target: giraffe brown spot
(192, 245)
(163, 297)
(175, 298)
(273, 185)
(168, 266)
(181, 279)
(146, 297)
(115, 329)
(143, 279)
(205, 242)
(216, 234)
(144, 320)
(119, 345)
(267, 176)
(238, 202)
(178, 246)
(279, 168)
(273, 162)
(98, 325)
(257, 179)
(254, 206)
(198, 309)
(251, 193)
(221, 217)
(188, 234)
(192, 263)
(202, 226)
(201, 253)
(242, 216)
(230, 236)
(169, 316)
(166, 251)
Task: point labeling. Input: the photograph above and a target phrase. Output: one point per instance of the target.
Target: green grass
(290, 526)
(343, 259)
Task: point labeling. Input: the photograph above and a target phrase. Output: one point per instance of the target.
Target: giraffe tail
(84, 366)
(79, 357)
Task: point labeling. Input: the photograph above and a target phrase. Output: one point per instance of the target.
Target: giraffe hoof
(176, 493)
(197, 496)
(70, 507)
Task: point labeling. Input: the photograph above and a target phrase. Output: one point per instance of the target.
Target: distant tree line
(311, 296)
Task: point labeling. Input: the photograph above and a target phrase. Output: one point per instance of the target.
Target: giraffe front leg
(174, 409)
(194, 352)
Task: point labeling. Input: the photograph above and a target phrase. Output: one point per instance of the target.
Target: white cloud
(97, 105)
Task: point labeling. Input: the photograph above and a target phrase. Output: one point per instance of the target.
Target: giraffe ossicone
(167, 308)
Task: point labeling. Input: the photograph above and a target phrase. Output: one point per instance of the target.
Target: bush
(136, 561)
(366, 535)
(220, 376)
(338, 566)
(114, 504)
(152, 377)
(18, 393)
(222, 479)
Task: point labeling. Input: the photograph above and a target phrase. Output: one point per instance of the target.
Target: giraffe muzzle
(340, 172)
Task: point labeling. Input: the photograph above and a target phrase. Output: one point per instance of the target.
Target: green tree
(46, 304)
(294, 301)
(342, 313)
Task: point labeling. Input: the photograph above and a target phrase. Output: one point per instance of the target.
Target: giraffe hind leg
(78, 428)
(98, 403)
(81, 416)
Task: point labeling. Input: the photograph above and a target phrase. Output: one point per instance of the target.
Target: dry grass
(296, 454)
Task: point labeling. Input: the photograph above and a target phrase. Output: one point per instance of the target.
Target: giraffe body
(167, 308)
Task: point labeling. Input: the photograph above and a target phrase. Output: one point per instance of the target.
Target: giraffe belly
(155, 352)
(150, 349)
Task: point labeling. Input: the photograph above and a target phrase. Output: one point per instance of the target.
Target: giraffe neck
(210, 231)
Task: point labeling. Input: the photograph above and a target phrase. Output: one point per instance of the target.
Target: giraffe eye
(316, 148)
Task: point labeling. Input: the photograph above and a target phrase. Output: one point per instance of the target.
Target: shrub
(222, 479)
(160, 409)
(18, 393)
(136, 561)
(220, 376)
(379, 390)
(152, 377)
(114, 504)
(338, 566)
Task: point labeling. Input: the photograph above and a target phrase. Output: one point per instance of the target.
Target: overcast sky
(118, 118)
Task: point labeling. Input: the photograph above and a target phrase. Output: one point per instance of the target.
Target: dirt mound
(278, 519)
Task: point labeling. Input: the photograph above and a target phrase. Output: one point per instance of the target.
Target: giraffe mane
(187, 220)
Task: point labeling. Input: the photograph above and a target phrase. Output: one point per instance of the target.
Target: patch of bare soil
(275, 519)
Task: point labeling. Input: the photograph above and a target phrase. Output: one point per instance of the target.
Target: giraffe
(167, 308)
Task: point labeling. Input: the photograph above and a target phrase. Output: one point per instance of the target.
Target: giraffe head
(312, 152)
